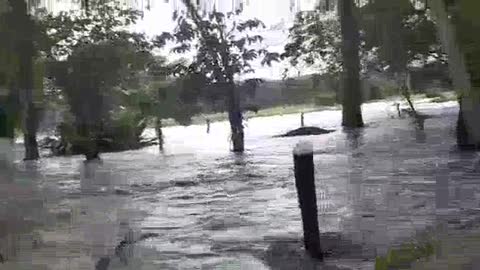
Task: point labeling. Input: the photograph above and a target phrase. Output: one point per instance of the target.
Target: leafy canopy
(389, 31)
(224, 45)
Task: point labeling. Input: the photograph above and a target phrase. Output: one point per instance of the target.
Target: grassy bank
(279, 110)
(443, 97)
(404, 256)
(296, 109)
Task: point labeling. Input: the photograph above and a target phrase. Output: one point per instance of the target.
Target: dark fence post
(307, 198)
(302, 120)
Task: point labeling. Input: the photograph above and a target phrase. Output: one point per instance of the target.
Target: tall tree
(19, 19)
(331, 45)
(99, 73)
(403, 34)
(167, 95)
(455, 30)
(393, 35)
(351, 87)
(8, 70)
(223, 51)
(97, 62)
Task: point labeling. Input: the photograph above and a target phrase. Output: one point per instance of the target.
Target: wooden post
(302, 120)
(307, 198)
(208, 125)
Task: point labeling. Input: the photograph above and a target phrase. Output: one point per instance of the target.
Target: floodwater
(207, 208)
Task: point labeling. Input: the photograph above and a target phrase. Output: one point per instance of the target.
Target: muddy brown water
(208, 207)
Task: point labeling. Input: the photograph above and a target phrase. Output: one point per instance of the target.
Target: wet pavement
(207, 208)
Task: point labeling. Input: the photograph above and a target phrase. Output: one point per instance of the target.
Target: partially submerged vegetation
(434, 249)
(403, 256)
(306, 131)
(437, 97)
(273, 111)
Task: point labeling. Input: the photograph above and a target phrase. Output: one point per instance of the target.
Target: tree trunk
(393, 47)
(406, 94)
(26, 52)
(468, 129)
(408, 89)
(463, 140)
(236, 119)
(351, 87)
(7, 116)
(30, 134)
(158, 130)
(89, 145)
(86, 5)
(30, 118)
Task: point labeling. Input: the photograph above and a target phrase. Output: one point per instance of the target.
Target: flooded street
(207, 208)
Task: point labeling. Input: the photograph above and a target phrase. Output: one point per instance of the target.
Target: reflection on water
(355, 138)
(205, 205)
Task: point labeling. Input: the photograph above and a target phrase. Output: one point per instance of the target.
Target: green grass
(446, 96)
(439, 97)
(288, 109)
(403, 256)
(322, 101)
(432, 97)
(279, 110)
(325, 99)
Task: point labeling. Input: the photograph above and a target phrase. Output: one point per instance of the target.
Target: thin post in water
(307, 198)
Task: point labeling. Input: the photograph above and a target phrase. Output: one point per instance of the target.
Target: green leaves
(184, 31)
(217, 16)
(313, 40)
(404, 256)
(160, 41)
(105, 22)
(250, 25)
(96, 57)
(401, 32)
(254, 39)
(249, 55)
(240, 43)
(224, 45)
(269, 58)
(181, 48)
